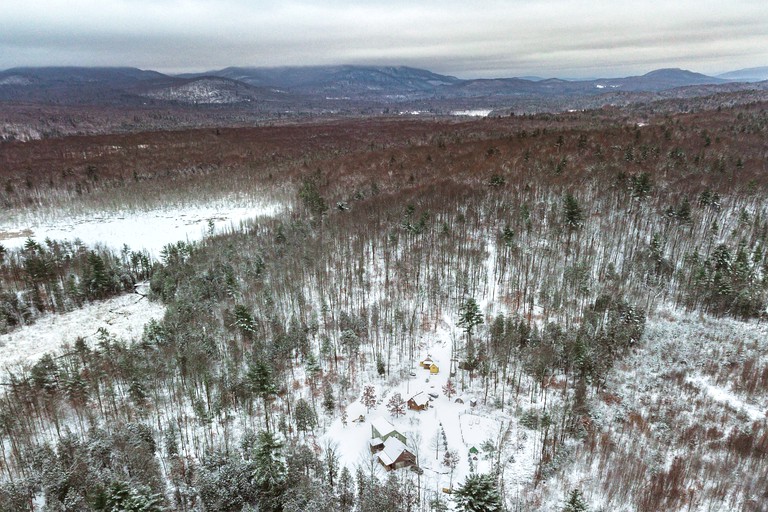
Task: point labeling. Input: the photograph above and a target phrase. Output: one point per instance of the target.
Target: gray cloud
(464, 38)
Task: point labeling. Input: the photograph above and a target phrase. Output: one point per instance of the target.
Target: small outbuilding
(376, 444)
(419, 402)
(426, 363)
(433, 369)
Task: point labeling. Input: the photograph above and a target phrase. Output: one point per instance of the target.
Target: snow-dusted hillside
(208, 90)
(14, 80)
(600, 316)
(685, 410)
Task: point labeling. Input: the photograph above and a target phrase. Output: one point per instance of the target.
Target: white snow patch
(15, 80)
(724, 396)
(123, 317)
(472, 113)
(150, 230)
(205, 90)
(475, 430)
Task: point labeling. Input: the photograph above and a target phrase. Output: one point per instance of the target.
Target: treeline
(55, 277)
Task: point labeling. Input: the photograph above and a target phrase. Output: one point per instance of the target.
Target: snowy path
(723, 396)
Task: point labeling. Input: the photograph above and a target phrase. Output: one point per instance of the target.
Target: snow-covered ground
(472, 113)
(123, 317)
(728, 398)
(148, 230)
(464, 426)
(678, 379)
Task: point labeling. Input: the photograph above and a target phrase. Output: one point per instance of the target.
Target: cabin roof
(393, 449)
(382, 426)
(420, 399)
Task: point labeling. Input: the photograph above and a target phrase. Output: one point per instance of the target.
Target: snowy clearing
(123, 317)
(150, 230)
(472, 113)
(464, 427)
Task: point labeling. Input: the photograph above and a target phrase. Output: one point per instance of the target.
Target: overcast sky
(465, 38)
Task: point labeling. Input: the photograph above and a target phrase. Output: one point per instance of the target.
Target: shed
(433, 369)
(376, 444)
(426, 363)
(396, 455)
(418, 402)
(383, 429)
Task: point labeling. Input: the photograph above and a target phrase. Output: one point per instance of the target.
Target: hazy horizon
(545, 38)
(606, 75)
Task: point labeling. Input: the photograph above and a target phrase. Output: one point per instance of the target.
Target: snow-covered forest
(589, 289)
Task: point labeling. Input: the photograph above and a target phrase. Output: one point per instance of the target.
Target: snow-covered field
(123, 317)
(472, 113)
(148, 230)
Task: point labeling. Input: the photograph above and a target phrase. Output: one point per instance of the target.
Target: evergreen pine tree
(120, 497)
(470, 316)
(575, 502)
(478, 493)
(262, 384)
(305, 416)
(329, 402)
(345, 491)
(572, 213)
(268, 471)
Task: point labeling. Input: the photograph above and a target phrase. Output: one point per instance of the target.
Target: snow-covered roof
(420, 399)
(393, 448)
(376, 441)
(382, 426)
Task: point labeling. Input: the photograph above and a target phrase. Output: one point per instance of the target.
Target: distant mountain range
(379, 84)
(354, 80)
(747, 75)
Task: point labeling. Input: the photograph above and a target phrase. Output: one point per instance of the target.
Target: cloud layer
(569, 38)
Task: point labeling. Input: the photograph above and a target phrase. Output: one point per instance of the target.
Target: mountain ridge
(313, 85)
